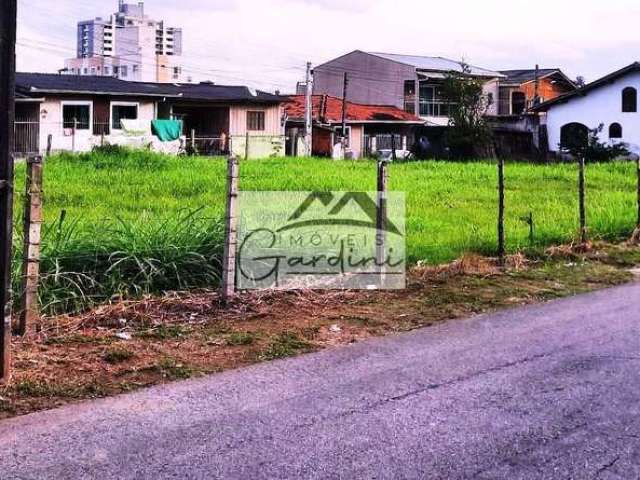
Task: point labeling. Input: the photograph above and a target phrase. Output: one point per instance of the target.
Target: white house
(611, 101)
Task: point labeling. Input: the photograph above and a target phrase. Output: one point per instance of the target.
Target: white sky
(266, 43)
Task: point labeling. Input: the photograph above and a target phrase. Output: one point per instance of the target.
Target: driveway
(550, 391)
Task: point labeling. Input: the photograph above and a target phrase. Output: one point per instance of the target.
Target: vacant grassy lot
(136, 223)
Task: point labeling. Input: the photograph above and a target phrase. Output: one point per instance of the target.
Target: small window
(124, 70)
(629, 100)
(77, 115)
(615, 130)
(255, 121)
(135, 69)
(410, 96)
(123, 112)
(106, 70)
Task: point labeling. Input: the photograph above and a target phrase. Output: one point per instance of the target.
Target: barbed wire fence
(210, 249)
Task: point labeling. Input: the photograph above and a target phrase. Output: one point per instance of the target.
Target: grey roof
(30, 84)
(437, 64)
(528, 75)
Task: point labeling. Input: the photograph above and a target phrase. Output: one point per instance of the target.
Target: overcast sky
(265, 43)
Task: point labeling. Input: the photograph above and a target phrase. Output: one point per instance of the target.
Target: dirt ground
(122, 347)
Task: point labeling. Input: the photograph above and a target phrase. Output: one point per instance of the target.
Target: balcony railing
(434, 109)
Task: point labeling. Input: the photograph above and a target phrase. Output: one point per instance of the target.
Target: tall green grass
(129, 223)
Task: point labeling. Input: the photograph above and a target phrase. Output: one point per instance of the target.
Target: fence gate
(26, 138)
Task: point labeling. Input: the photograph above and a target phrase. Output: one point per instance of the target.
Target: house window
(76, 114)
(410, 96)
(432, 103)
(629, 100)
(123, 111)
(255, 121)
(615, 130)
(518, 103)
(135, 69)
(124, 70)
(106, 70)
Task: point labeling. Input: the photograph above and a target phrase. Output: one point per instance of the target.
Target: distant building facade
(521, 90)
(128, 45)
(410, 83)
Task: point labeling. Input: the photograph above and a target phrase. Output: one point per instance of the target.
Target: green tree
(468, 135)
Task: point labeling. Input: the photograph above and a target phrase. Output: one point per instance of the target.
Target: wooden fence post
(638, 191)
(49, 144)
(231, 231)
(30, 312)
(501, 207)
(584, 237)
(381, 220)
(73, 134)
(393, 147)
(246, 147)
(193, 141)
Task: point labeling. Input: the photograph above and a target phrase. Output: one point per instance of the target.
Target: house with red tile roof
(369, 127)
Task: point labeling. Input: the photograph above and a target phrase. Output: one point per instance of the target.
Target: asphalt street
(548, 391)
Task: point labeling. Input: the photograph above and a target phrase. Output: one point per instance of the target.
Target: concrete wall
(492, 88)
(372, 80)
(51, 123)
(600, 106)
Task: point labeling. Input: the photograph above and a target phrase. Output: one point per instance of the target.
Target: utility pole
(308, 124)
(7, 118)
(345, 89)
(536, 95)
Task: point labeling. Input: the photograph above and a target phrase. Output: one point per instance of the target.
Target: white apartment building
(128, 45)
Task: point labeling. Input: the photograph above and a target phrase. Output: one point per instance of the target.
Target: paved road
(551, 391)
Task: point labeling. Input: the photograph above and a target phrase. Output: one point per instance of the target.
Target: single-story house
(79, 112)
(611, 101)
(369, 128)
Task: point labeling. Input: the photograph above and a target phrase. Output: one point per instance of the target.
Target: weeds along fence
(123, 223)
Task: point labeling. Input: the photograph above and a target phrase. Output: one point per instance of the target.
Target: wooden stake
(49, 144)
(231, 231)
(193, 142)
(394, 157)
(638, 191)
(30, 312)
(501, 209)
(584, 237)
(73, 135)
(381, 226)
(7, 119)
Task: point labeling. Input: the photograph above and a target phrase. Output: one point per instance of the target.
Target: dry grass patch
(130, 345)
